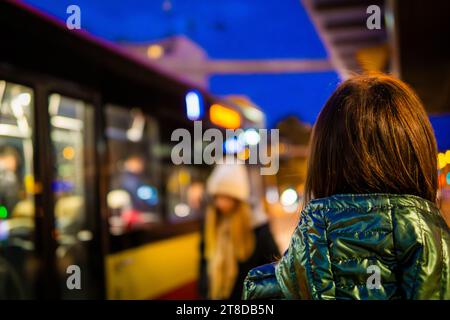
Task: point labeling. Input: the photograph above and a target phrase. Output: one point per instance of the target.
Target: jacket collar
(370, 202)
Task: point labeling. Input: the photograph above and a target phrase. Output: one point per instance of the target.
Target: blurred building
(284, 191)
(177, 54)
(183, 57)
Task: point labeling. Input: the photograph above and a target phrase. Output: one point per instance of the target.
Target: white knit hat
(230, 180)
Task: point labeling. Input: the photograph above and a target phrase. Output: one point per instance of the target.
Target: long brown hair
(228, 241)
(372, 136)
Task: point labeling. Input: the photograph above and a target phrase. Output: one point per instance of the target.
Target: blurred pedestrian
(232, 242)
(370, 228)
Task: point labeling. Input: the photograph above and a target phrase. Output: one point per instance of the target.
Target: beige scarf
(228, 241)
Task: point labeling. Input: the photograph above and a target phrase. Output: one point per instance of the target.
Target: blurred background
(91, 91)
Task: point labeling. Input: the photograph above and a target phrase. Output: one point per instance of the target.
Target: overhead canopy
(342, 25)
(412, 42)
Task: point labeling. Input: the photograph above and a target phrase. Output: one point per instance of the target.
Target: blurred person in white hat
(234, 240)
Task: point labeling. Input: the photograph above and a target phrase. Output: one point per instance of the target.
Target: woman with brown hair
(234, 240)
(370, 228)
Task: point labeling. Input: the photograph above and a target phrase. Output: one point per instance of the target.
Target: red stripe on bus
(187, 291)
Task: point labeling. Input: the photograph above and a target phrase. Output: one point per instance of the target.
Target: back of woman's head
(372, 136)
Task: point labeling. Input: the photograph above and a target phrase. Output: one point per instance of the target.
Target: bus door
(74, 191)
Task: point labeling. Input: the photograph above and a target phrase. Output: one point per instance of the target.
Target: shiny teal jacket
(374, 246)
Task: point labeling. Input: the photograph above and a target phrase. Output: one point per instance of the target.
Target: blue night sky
(229, 29)
(226, 29)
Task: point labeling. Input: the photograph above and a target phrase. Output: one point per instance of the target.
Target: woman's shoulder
(261, 283)
(371, 214)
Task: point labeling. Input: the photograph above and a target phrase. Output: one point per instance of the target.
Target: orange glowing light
(155, 51)
(224, 117)
(442, 161)
(68, 153)
(244, 154)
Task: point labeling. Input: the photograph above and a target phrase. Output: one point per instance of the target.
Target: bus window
(72, 137)
(17, 265)
(133, 198)
(185, 193)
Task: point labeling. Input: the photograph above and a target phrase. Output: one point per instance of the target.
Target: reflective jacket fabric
(374, 246)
